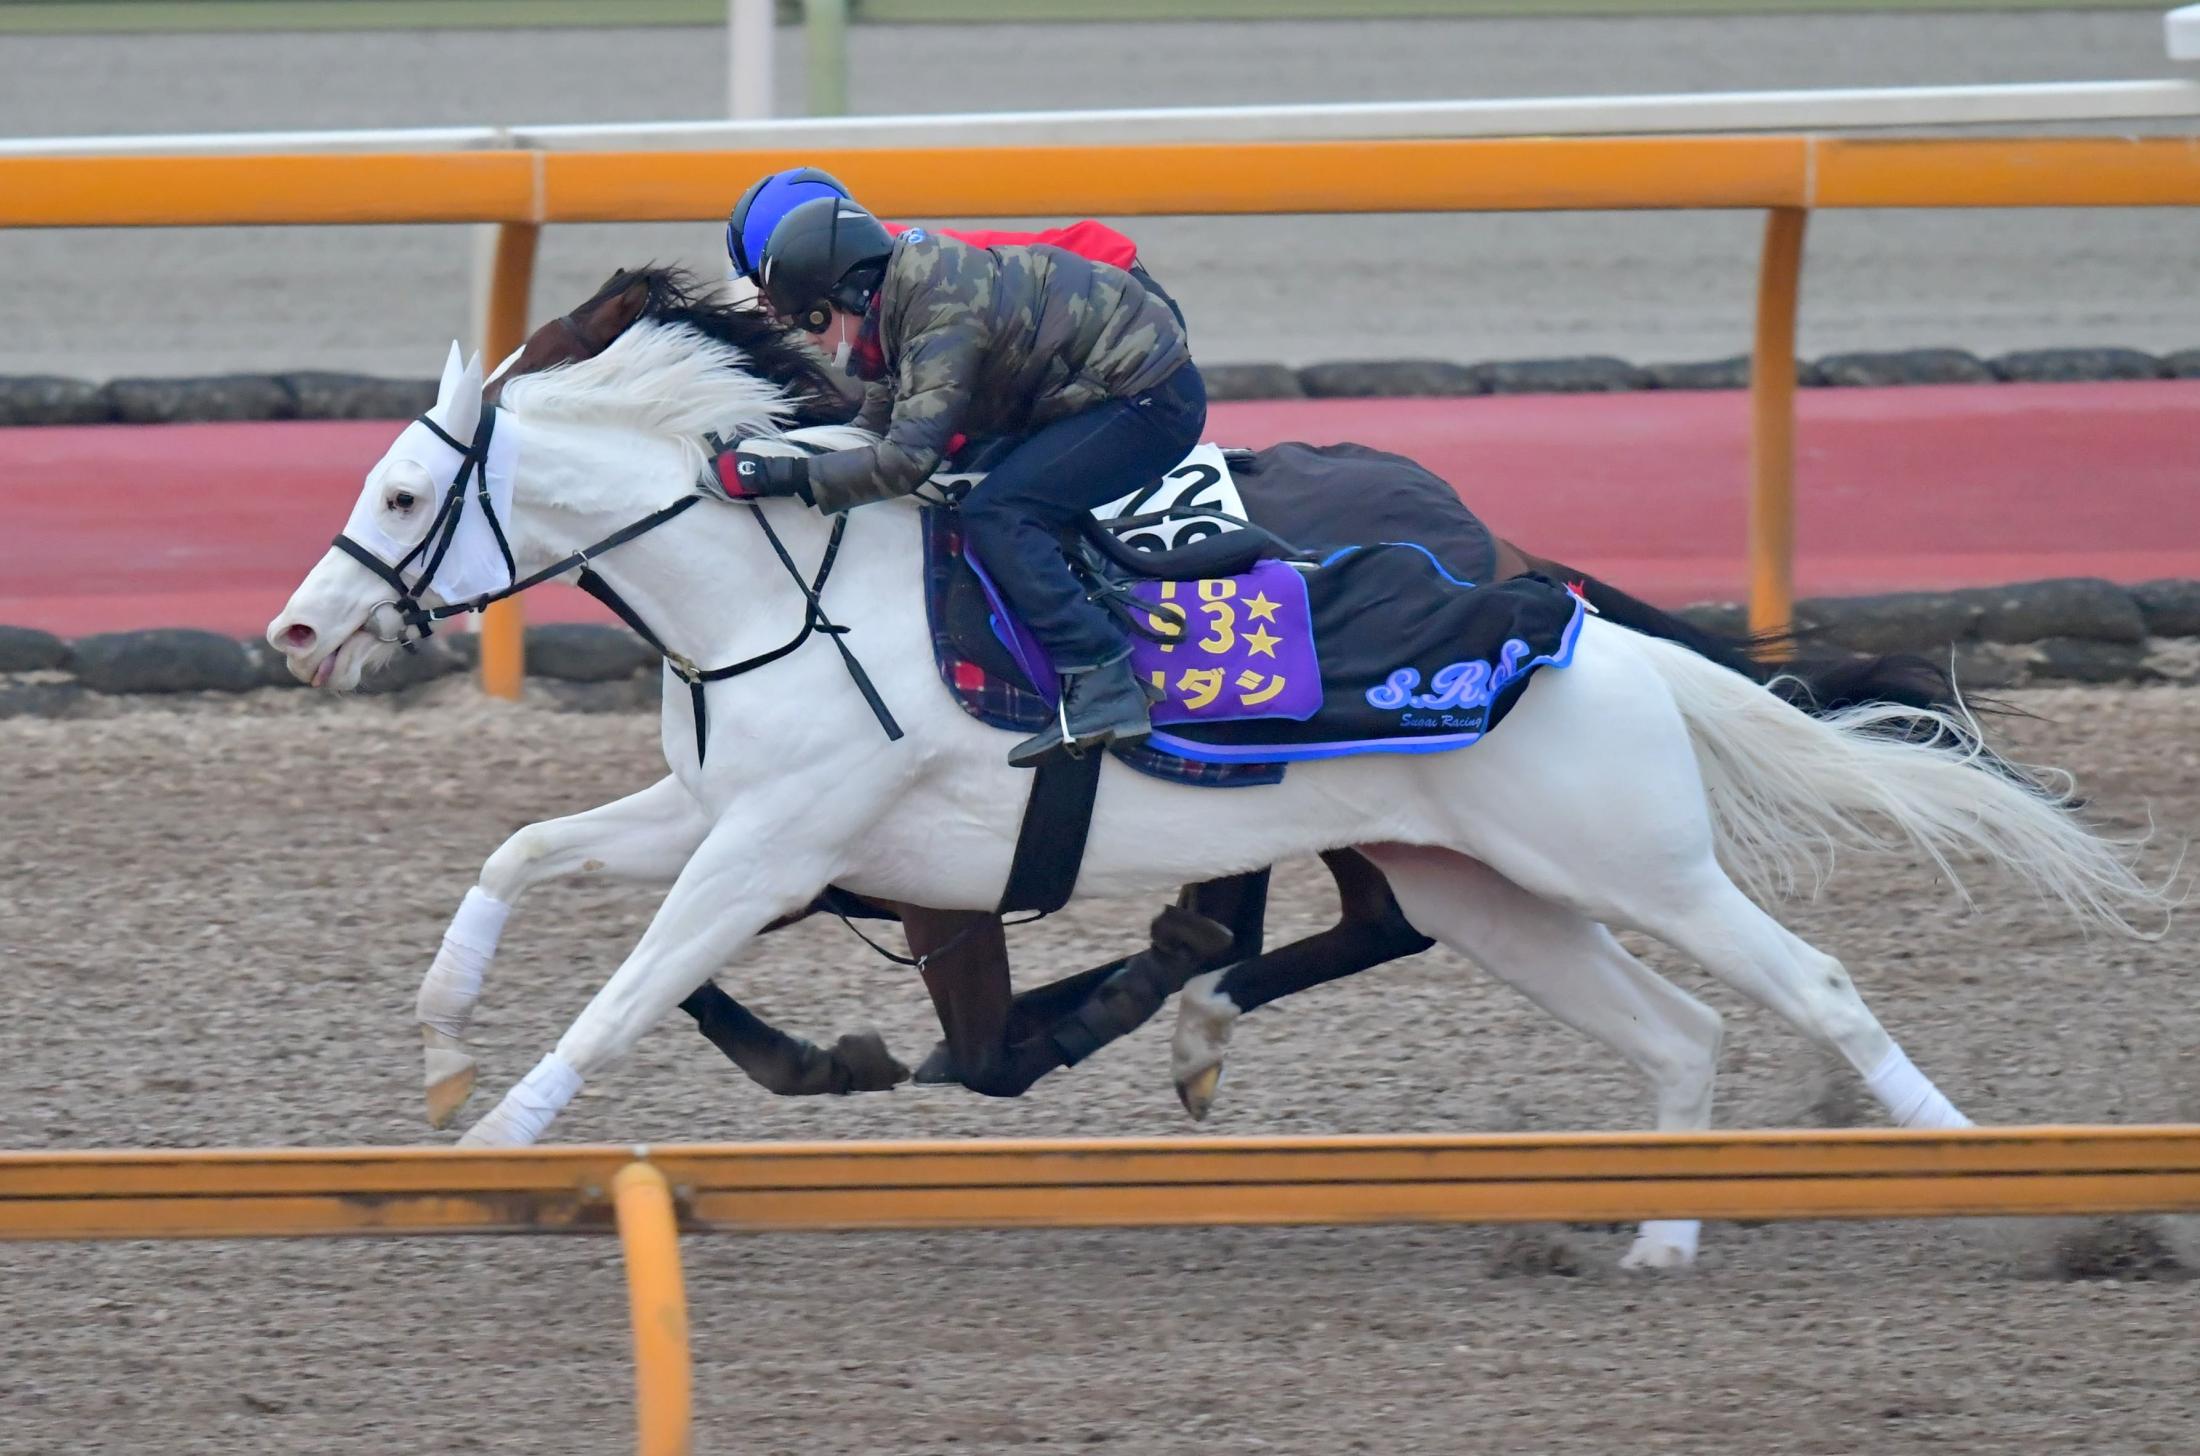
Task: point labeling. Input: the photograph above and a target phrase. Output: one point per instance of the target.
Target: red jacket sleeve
(1087, 239)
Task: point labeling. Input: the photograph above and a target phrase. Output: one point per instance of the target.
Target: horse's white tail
(1787, 791)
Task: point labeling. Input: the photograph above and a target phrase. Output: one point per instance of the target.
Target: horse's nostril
(298, 638)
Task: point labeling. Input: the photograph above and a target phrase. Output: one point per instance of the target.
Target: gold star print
(1262, 641)
(1259, 609)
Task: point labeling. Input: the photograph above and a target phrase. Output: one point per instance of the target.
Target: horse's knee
(1685, 1066)
(1705, 1029)
(1835, 1013)
(511, 866)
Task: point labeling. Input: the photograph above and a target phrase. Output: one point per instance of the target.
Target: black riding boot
(1100, 705)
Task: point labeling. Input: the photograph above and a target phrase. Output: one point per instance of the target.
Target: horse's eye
(403, 500)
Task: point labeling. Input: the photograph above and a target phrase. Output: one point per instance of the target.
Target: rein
(922, 963)
(421, 619)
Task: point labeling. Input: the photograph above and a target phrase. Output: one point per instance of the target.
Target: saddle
(1261, 650)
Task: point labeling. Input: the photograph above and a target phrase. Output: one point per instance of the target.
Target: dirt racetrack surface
(214, 917)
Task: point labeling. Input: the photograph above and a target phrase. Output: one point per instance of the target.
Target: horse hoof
(937, 1070)
(1197, 1092)
(1663, 1244)
(870, 1066)
(1205, 1017)
(450, 1078)
(476, 1137)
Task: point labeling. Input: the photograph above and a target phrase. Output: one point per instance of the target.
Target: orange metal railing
(648, 1194)
(990, 1183)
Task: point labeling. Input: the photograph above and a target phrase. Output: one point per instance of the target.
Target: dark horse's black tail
(1819, 680)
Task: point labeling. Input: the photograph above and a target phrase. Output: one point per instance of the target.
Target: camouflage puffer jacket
(993, 341)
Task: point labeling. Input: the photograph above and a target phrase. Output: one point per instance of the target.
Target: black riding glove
(743, 476)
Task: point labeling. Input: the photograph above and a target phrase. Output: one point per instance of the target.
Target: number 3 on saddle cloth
(1369, 649)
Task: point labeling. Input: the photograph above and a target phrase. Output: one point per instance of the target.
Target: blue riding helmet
(768, 200)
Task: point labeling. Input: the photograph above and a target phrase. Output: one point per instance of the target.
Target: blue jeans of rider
(1015, 518)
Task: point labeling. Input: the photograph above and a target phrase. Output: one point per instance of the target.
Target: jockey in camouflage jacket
(1079, 359)
(989, 341)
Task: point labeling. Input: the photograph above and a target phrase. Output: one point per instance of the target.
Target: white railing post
(749, 59)
(1904, 108)
(2183, 28)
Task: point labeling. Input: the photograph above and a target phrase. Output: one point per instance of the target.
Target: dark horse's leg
(1079, 1014)
(1371, 931)
(789, 1065)
(1065, 1021)
(963, 957)
(999, 1044)
(1184, 943)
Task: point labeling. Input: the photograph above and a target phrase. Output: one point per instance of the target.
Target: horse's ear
(458, 395)
(631, 301)
(613, 315)
(454, 370)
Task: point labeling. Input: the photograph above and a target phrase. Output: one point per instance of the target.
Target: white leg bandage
(529, 1108)
(1909, 1095)
(453, 982)
(1675, 1238)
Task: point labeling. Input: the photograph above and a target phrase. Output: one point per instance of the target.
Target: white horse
(1641, 787)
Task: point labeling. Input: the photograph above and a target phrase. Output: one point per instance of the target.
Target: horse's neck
(708, 582)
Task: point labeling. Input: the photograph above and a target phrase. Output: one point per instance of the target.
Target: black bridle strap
(813, 592)
(473, 461)
(814, 620)
(579, 558)
(424, 618)
(496, 527)
(452, 440)
(444, 528)
(436, 541)
(375, 564)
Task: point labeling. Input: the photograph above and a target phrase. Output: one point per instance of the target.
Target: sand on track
(214, 915)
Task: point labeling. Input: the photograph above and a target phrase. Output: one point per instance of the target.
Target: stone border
(1601, 374)
(2070, 630)
(45, 399)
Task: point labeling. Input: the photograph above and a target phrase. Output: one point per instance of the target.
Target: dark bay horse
(999, 1043)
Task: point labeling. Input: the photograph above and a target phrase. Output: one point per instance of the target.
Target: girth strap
(1050, 847)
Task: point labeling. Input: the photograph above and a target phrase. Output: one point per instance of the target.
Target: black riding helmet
(825, 251)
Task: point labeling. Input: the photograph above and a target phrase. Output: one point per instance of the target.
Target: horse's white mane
(675, 382)
(669, 379)
(817, 437)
